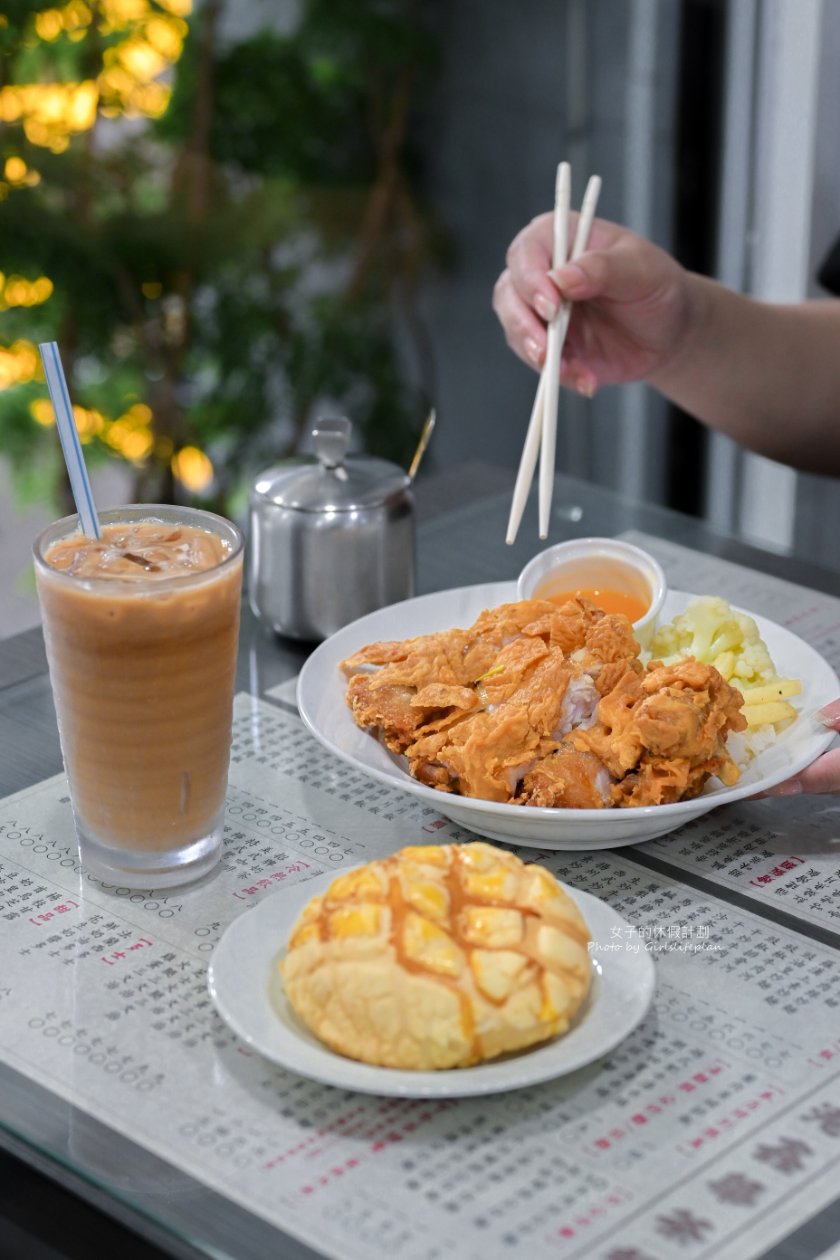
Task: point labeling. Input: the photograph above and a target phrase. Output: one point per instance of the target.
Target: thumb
(830, 715)
(626, 272)
(819, 779)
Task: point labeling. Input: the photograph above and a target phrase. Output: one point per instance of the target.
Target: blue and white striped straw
(69, 436)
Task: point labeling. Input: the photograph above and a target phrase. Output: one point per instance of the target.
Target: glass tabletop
(184, 1186)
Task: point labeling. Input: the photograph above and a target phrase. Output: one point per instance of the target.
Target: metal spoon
(428, 429)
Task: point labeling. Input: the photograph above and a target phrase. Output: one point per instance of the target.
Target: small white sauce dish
(585, 564)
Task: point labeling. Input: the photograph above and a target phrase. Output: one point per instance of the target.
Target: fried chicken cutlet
(539, 705)
(659, 738)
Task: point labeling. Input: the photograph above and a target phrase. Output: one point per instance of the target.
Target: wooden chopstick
(543, 417)
(551, 367)
(560, 325)
(533, 437)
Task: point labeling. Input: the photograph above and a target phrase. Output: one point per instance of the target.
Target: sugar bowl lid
(330, 480)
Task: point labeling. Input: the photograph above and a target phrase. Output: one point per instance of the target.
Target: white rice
(743, 746)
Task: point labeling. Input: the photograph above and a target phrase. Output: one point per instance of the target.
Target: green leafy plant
(223, 234)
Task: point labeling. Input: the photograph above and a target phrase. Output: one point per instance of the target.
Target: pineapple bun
(439, 956)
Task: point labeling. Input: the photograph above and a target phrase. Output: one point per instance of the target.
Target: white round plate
(322, 687)
(245, 985)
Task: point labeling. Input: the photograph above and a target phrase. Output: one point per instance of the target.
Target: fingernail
(585, 385)
(533, 351)
(569, 278)
(828, 718)
(792, 788)
(544, 308)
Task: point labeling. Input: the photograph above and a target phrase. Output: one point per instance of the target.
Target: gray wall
(523, 87)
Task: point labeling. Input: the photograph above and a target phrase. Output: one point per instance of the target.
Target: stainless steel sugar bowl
(331, 537)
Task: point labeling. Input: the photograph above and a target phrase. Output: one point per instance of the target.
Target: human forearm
(767, 375)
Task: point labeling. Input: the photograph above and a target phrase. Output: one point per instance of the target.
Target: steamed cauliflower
(712, 631)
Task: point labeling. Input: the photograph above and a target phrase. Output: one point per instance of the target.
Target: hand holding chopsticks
(541, 437)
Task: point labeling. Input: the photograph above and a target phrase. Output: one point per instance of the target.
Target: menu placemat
(783, 852)
(714, 1130)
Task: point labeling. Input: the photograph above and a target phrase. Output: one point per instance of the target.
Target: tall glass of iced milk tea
(141, 629)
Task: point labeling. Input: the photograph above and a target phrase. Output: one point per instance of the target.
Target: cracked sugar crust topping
(439, 956)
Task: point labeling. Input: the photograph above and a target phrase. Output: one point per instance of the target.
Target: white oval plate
(322, 687)
(245, 985)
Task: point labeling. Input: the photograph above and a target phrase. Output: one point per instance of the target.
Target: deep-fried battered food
(540, 705)
(659, 737)
(569, 778)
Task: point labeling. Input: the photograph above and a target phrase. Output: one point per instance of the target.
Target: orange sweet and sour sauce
(609, 601)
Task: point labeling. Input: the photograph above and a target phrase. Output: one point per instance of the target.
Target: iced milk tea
(141, 632)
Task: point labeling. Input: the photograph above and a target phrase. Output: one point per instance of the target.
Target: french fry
(778, 689)
(768, 712)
